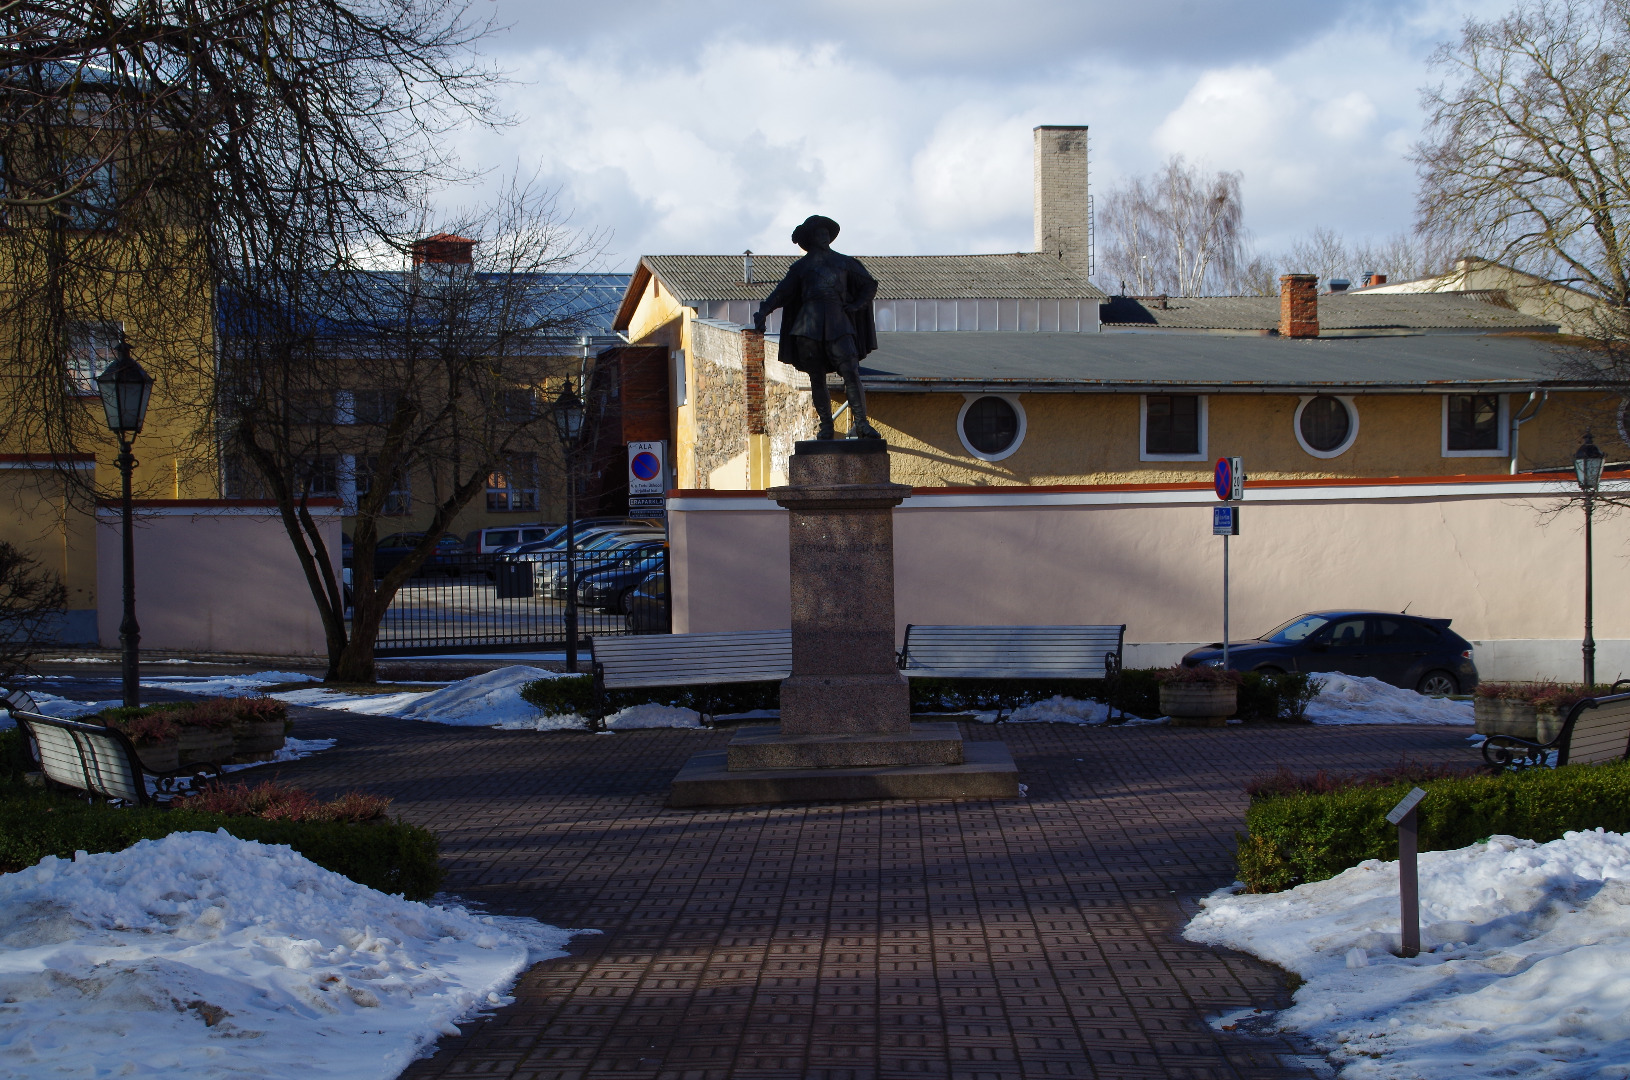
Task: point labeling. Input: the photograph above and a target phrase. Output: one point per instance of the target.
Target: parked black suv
(1405, 650)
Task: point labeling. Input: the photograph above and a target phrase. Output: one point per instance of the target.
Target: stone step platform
(764, 746)
(987, 772)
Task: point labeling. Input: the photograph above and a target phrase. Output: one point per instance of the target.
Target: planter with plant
(1198, 696)
(155, 735)
(258, 727)
(1533, 711)
(206, 731)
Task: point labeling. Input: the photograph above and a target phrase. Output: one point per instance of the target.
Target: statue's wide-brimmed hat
(811, 222)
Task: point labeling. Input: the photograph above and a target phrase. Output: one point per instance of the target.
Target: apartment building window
(1173, 427)
(399, 496)
(515, 486)
(92, 346)
(1474, 425)
(95, 204)
(520, 405)
(372, 406)
(321, 476)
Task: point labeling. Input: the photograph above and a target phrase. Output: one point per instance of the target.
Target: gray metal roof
(1024, 275)
(1349, 311)
(1122, 362)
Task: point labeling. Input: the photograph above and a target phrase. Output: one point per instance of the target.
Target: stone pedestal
(846, 730)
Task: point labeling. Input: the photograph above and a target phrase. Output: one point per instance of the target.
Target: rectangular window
(520, 406)
(372, 406)
(239, 480)
(94, 203)
(311, 406)
(1174, 427)
(398, 499)
(681, 390)
(92, 346)
(321, 476)
(515, 487)
(1473, 425)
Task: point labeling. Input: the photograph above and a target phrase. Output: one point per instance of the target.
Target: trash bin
(513, 580)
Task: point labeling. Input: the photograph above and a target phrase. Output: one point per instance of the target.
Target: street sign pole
(1229, 482)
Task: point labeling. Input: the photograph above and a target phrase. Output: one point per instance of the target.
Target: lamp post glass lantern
(1587, 472)
(567, 413)
(126, 390)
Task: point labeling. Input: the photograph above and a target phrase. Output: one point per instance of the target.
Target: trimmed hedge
(1261, 697)
(393, 857)
(1293, 839)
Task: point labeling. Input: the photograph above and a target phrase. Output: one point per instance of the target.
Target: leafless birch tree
(1527, 146)
(1179, 232)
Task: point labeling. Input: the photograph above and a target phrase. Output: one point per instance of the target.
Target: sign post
(647, 479)
(1409, 883)
(1229, 482)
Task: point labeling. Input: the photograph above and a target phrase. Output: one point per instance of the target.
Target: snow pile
(1528, 945)
(228, 685)
(1358, 699)
(60, 707)
(293, 750)
(204, 955)
(1063, 710)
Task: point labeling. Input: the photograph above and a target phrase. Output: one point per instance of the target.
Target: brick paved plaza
(966, 939)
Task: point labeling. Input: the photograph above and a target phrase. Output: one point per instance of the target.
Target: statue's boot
(826, 430)
(860, 427)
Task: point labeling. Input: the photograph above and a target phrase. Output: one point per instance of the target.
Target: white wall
(1485, 555)
(211, 576)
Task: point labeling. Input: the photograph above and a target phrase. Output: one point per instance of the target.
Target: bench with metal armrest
(1597, 730)
(647, 660)
(98, 760)
(1014, 652)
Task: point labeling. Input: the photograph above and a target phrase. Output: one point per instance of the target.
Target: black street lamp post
(567, 413)
(1587, 470)
(125, 390)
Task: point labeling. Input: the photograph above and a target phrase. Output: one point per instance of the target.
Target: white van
(487, 541)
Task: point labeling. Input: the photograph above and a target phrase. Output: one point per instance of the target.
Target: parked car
(648, 606)
(1410, 651)
(448, 558)
(585, 527)
(602, 553)
(486, 541)
(608, 589)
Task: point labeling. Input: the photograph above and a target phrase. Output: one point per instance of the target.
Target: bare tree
(386, 386)
(1180, 232)
(1402, 256)
(140, 142)
(31, 599)
(1527, 145)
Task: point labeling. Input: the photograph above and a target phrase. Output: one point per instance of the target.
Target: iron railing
(471, 602)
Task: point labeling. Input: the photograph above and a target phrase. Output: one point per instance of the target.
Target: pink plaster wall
(1495, 564)
(208, 580)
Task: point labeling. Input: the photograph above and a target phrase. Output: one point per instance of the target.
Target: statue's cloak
(860, 288)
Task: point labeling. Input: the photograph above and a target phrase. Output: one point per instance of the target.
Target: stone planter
(160, 757)
(201, 746)
(1199, 704)
(1501, 716)
(256, 740)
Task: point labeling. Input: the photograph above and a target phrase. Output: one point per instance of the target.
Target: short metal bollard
(1409, 882)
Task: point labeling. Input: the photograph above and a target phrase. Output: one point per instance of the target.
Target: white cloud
(728, 136)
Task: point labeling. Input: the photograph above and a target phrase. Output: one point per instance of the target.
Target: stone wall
(788, 415)
(719, 398)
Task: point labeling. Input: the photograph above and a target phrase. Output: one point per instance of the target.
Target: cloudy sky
(715, 125)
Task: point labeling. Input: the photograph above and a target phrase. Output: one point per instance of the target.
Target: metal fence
(470, 602)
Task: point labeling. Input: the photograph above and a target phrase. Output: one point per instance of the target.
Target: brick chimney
(444, 248)
(1062, 212)
(1298, 306)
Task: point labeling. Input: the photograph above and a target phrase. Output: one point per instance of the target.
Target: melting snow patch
(653, 716)
(204, 955)
(1357, 699)
(1527, 945)
(228, 685)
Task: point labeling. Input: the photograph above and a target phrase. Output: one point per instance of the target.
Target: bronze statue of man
(826, 321)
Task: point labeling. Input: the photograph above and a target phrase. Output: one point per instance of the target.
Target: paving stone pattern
(969, 939)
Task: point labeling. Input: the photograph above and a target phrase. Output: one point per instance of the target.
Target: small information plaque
(1405, 805)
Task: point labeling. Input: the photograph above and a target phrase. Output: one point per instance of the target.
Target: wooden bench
(1014, 652)
(643, 660)
(1596, 730)
(98, 760)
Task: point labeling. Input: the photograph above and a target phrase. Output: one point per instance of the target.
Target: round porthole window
(991, 427)
(1325, 425)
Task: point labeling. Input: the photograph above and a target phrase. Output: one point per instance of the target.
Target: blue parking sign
(1225, 521)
